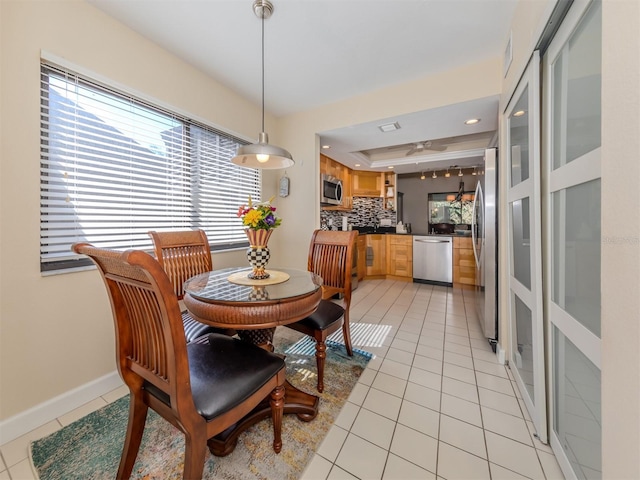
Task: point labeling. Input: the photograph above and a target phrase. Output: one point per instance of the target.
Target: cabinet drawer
(401, 240)
(462, 242)
(466, 258)
(467, 275)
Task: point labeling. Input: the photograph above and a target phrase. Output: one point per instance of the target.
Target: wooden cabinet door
(367, 184)
(361, 243)
(376, 245)
(400, 255)
(464, 263)
(347, 194)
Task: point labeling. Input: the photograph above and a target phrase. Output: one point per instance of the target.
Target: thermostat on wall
(284, 186)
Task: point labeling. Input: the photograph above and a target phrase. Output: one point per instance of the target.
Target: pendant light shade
(261, 154)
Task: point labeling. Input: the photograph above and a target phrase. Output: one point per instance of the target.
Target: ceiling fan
(420, 147)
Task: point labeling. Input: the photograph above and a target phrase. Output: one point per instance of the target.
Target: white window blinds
(114, 167)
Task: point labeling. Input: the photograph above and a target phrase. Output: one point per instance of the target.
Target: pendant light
(261, 154)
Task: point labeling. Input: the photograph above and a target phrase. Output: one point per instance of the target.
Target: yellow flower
(252, 218)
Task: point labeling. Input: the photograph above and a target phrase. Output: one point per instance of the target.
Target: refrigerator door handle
(477, 203)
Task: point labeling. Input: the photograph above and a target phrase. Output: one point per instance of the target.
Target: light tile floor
(433, 403)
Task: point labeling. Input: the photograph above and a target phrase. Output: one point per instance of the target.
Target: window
(114, 167)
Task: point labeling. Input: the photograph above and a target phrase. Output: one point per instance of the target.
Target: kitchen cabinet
(361, 246)
(367, 184)
(328, 166)
(376, 255)
(400, 255)
(464, 263)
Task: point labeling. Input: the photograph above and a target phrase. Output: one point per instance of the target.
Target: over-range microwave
(330, 190)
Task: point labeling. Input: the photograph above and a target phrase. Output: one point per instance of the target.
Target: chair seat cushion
(325, 315)
(194, 329)
(227, 371)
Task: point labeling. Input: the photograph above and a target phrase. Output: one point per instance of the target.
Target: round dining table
(226, 299)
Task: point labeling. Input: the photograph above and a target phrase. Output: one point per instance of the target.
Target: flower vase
(258, 252)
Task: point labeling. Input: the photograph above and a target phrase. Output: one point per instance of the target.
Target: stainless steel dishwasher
(432, 259)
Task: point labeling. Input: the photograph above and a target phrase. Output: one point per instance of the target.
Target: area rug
(90, 448)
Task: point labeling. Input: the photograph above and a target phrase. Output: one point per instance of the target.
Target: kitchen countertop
(379, 231)
(392, 231)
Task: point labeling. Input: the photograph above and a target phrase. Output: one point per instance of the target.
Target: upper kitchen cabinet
(367, 184)
(330, 167)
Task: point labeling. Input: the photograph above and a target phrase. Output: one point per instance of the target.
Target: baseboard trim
(24, 422)
(502, 355)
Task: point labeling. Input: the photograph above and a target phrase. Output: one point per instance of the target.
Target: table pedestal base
(303, 404)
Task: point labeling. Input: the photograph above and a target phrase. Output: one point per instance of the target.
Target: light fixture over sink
(261, 154)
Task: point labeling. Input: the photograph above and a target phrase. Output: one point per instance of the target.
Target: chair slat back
(331, 257)
(150, 339)
(182, 255)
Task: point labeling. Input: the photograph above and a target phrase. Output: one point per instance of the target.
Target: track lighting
(422, 176)
(434, 175)
(447, 174)
(460, 172)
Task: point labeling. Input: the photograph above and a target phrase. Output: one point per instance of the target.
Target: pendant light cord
(262, 21)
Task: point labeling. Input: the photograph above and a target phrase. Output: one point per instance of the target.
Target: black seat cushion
(194, 329)
(326, 315)
(227, 371)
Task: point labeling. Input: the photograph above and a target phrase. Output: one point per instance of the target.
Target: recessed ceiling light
(390, 167)
(472, 121)
(357, 165)
(389, 127)
(326, 147)
(519, 113)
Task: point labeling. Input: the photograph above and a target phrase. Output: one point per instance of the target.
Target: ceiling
(322, 51)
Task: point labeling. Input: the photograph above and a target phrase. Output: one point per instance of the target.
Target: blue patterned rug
(90, 448)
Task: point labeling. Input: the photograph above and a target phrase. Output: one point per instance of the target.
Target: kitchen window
(114, 167)
(451, 208)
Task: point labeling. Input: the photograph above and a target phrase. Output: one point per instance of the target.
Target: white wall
(56, 332)
(621, 235)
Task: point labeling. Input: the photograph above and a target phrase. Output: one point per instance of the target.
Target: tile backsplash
(365, 212)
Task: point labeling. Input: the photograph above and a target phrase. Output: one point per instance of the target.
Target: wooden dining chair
(200, 388)
(331, 257)
(184, 254)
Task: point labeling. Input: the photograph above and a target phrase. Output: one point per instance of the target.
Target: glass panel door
(526, 352)
(572, 78)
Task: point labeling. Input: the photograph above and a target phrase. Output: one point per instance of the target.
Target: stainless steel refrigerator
(484, 230)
